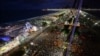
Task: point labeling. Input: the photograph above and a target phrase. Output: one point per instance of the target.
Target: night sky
(14, 10)
(34, 4)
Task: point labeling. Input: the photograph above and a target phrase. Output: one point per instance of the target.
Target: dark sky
(91, 3)
(14, 10)
(41, 4)
(34, 4)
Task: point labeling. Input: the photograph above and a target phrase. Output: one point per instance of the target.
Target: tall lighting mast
(75, 23)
